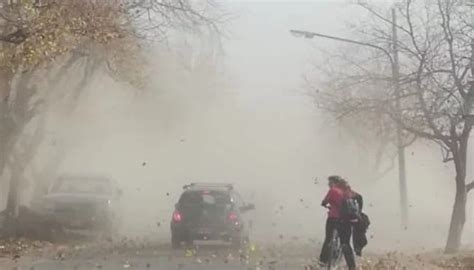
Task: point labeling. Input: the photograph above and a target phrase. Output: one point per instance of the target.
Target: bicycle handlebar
(326, 206)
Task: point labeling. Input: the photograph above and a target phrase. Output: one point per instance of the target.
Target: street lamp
(396, 86)
(310, 35)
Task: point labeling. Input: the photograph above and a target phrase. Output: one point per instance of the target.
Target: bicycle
(335, 251)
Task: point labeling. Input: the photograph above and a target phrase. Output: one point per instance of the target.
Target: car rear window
(205, 197)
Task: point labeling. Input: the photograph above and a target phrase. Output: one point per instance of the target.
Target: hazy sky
(267, 62)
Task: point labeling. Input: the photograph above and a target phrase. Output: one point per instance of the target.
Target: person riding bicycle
(338, 192)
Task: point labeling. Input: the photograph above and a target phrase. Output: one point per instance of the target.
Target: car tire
(239, 241)
(110, 229)
(189, 242)
(175, 241)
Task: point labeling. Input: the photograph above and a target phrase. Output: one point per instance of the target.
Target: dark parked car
(210, 212)
(83, 202)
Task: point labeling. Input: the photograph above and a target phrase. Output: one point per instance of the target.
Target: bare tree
(378, 144)
(435, 95)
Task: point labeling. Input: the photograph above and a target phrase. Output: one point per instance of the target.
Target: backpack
(350, 209)
(364, 221)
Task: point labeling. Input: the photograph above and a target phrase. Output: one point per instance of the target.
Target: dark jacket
(359, 237)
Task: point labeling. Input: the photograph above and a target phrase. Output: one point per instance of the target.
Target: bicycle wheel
(335, 251)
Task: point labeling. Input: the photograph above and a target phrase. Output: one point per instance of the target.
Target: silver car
(83, 202)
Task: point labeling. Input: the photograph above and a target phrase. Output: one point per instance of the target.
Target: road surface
(160, 256)
(148, 255)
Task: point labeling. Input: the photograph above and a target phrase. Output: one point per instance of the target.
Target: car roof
(84, 176)
(206, 189)
(209, 186)
(89, 177)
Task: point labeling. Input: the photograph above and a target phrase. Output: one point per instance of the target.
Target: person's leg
(345, 231)
(357, 241)
(330, 226)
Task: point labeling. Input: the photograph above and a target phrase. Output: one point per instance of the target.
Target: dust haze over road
(251, 124)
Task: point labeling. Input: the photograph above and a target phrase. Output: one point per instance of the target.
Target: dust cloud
(242, 120)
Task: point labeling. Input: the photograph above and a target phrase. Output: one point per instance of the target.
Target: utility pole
(469, 119)
(400, 147)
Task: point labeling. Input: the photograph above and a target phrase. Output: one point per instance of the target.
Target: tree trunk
(458, 219)
(12, 205)
(21, 110)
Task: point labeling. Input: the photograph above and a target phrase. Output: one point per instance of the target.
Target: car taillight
(177, 217)
(233, 217)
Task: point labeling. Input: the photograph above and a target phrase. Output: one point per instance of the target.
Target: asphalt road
(151, 263)
(206, 257)
(161, 257)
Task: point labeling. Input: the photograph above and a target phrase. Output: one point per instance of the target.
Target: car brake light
(177, 217)
(233, 217)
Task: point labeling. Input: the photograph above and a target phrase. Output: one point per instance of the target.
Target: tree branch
(16, 37)
(381, 17)
(448, 36)
(411, 32)
(422, 103)
(417, 132)
(381, 174)
(470, 186)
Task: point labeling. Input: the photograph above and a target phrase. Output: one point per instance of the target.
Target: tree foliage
(39, 31)
(34, 31)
